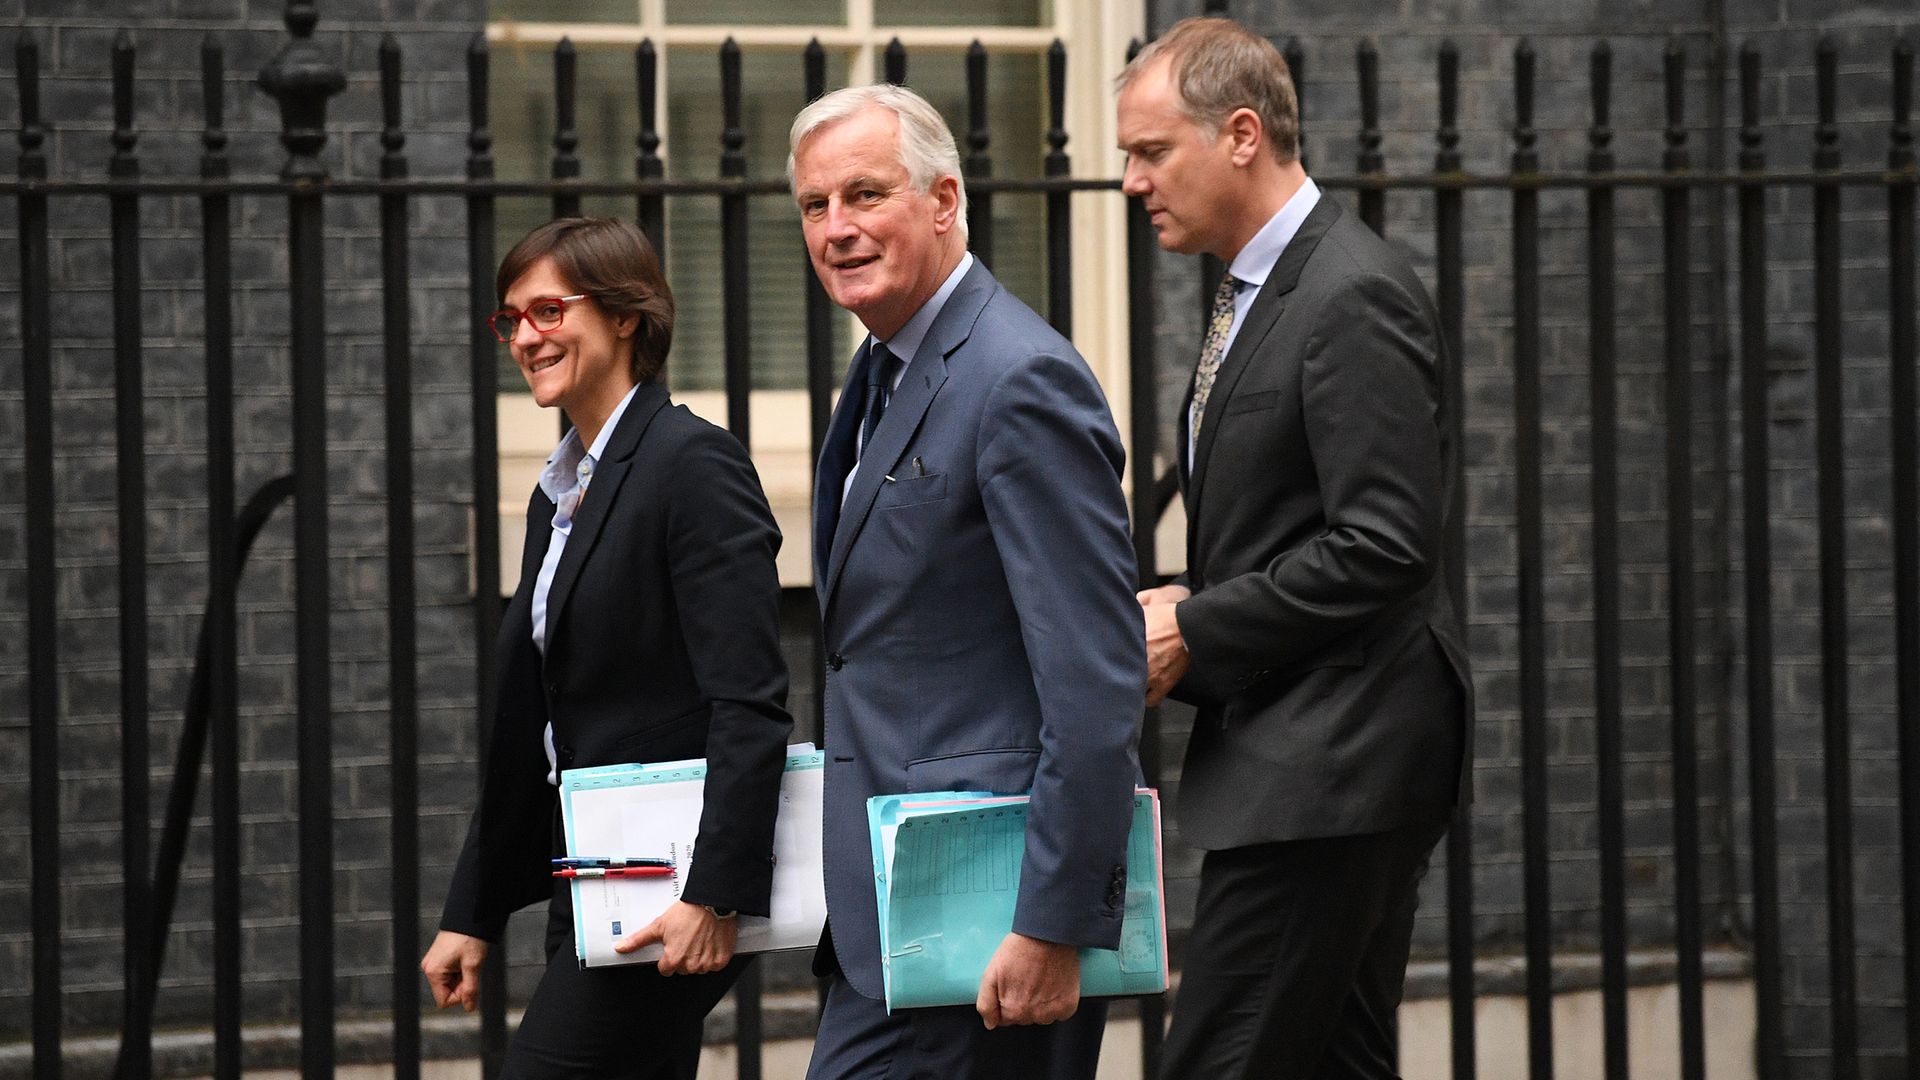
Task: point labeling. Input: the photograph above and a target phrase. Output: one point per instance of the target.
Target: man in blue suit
(976, 588)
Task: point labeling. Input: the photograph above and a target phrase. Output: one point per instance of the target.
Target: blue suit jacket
(981, 632)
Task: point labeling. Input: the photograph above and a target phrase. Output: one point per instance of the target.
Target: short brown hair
(613, 262)
(1219, 66)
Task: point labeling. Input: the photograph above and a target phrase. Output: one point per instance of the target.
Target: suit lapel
(608, 475)
(1266, 311)
(924, 376)
(836, 459)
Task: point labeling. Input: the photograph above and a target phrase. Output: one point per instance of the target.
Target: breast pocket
(1253, 401)
(910, 491)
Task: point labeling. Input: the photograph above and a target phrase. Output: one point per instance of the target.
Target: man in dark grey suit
(976, 589)
(1313, 628)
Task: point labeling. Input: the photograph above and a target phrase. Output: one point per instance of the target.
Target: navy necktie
(879, 391)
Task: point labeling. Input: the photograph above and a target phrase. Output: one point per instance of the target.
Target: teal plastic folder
(947, 876)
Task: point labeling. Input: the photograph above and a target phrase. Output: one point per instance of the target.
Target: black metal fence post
(222, 625)
(402, 646)
(979, 164)
(301, 78)
(651, 206)
(1538, 896)
(1830, 452)
(1059, 201)
(130, 427)
(1448, 206)
(566, 140)
(736, 290)
(1605, 501)
(43, 691)
(894, 60)
(820, 381)
(1296, 57)
(484, 410)
(1371, 163)
(1676, 223)
(1757, 564)
(734, 255)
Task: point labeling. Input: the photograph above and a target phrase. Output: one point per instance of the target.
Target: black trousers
(1297, 959)
(629, 1023)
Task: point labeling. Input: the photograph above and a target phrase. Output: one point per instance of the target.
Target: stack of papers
(947, 876)
(653, 811)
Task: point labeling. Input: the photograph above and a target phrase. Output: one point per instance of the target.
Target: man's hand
(1029, 981)
(1167, 658)
(693, 941)
(452, 967)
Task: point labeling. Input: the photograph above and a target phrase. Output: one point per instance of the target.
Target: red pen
(617, 871)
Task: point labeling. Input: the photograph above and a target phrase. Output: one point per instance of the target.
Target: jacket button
(835, 661)
(564, 754)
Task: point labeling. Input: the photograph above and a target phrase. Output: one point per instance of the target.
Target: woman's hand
(694, 941)
(452, 967)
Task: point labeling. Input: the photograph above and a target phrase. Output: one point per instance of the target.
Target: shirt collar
(562, 472)
(1263, 252)
(906, 340)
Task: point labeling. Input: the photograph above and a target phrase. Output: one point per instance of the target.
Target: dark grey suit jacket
(976, 594)
(1327, 660)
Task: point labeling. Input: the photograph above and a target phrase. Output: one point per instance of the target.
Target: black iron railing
(302, 78)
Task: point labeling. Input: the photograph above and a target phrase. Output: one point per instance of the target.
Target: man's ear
(625, 324)
(946, 196)
(1246, 136)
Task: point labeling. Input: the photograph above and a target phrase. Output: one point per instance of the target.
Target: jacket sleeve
(721, 545)
(1369, 404)
(1049, 472)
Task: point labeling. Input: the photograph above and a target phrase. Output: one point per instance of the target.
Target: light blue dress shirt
(565, 479)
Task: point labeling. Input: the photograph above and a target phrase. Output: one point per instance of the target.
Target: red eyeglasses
(546, 314)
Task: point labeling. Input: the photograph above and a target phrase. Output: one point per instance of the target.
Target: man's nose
(1132, 182)
(840, 226)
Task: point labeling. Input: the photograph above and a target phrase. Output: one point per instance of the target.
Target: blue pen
(595, 862)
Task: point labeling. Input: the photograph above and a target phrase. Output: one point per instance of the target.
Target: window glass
(756, 12)
(606, 120)
(972, 13)
(618, 11)
(1016, 128)
(773, 89)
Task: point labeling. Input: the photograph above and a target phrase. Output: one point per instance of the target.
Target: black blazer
(663, 642)
(1327, 659)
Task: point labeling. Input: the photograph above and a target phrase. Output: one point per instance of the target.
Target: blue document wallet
(653, 811)
(946, 868)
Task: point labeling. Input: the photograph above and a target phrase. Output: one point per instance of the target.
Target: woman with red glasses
(645, 628)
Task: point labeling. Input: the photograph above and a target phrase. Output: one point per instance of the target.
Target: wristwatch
(721, 912)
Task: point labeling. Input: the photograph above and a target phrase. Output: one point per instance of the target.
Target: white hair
(927, 148)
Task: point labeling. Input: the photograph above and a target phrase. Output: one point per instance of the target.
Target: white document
(653, 811)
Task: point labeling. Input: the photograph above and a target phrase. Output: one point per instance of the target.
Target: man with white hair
(975, 577)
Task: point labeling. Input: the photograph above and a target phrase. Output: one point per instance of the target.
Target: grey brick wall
(75, 59)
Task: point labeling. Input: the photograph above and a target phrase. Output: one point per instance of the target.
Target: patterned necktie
(1212, 351)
